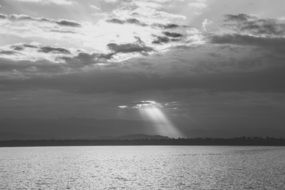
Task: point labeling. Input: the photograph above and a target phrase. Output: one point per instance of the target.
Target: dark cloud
(138, 22)
(20, 47)
(173, 34)
(29, 46)
(170, 26)
(24, 67)
(86, 59)
(161, 40)
(68, 23)
(237, 69)
(266, 80)
(7, 52)
(248, 40)
(117, 21)
(2, 16)
(127, 21)
(63, 31)
(64, 58)
(45, 65)
(135, 21)
(48, 49)
(257, 26)
(253, 31)
(238, 18)
(15, 17)
(167, 26)
(43, 49)
(129, 48)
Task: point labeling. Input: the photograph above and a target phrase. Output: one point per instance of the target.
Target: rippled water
(142, 167)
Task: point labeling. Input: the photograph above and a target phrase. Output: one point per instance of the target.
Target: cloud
(137, 105)
(23, 18)
(205, 24)
(20, 47)
(111, 1)
(247, 30)
(95, 7)
(47, 49)
(197, 6)
(140, 104)
(173, 34)
(232, 68)
(114, 33)
(48, 2)
(34, 49)
(32, 59)
(112, 36)
(22, 60)
(23, 56)
(35, 59)
(127, 21)
(123, 107)
(275, 43)
(167, 26)
(116, 21)
(68, 23)
(213, 66)
(129, 48)
(82, 59)
(161, 40)
(7, 52)
(248, 24)
(263, 81)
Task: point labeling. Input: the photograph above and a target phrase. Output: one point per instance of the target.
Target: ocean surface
(142, 167)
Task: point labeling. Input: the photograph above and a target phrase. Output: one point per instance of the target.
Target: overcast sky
(191, 68)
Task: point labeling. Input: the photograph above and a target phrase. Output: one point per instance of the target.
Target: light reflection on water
(142, 167)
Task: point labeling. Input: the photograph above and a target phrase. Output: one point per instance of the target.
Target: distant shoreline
(240, 141)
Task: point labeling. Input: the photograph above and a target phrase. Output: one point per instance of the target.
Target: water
(142, 167)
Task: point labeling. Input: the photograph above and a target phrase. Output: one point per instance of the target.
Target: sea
(142, 167)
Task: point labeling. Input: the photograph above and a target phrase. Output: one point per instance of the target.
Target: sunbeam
(151, 110)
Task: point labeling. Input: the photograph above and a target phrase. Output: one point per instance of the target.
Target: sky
(185, 68)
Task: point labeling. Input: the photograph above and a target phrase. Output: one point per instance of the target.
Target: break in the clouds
(200, 66)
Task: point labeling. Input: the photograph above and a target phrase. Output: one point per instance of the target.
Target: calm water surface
(142, 167)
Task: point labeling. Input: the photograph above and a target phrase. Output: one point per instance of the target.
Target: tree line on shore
(238, 141)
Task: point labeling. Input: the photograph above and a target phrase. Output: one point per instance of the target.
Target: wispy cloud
(26, 18)
(133, 29)
(248, 24)
(46, 2)
(248, 30)
(197, 6)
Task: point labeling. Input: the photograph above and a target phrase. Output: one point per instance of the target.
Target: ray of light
(152, 111)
